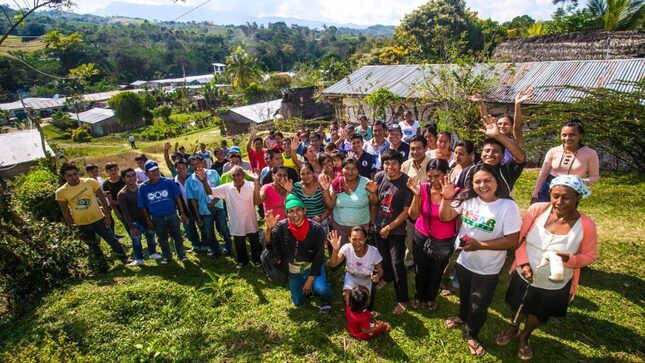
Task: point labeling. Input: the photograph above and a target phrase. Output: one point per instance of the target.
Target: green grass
(15, 43)
(156, 313)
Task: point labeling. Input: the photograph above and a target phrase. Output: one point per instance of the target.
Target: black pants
(240, 248)
(475, 294)
(392, 249)
(428, 270)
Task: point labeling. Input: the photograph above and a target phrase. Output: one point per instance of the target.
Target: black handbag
(437, 249)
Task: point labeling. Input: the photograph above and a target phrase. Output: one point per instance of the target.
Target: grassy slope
(131, 314)
(14, 43)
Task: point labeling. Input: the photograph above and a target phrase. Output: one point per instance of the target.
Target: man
(181, 150)
(79, 199)
(141, 174)
(224, 146)
(392, 198)
(93, 172)
(493, 153)
(111, 188)
(394, 135)
(315, 140)
(378, 143)
(182, 170)
(131, 139)
(415, 166)
(160, 197)
(235, 158)
(275, 160)
(270, 141)
(134, 218)
(241, 197)
(220, 160)
(364, 128)
(205, 155)
(288, 155)
(256, 153)
(344, 143)
(171, 162)
(300, 242)
(209, 210)
(366, 161)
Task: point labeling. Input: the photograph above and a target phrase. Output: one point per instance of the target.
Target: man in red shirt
(256, 152)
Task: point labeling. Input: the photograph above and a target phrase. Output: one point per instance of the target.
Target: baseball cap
(394, 127)
(150, 165)
(234, 149)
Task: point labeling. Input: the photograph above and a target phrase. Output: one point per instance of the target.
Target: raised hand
(269, 219)
(371, 186)
(295, 142)
(166, 146)
(490, 126)
(447, 188)
(414, 185)
(201, 174)
(324, 181)
(476, 98)
(286, 184)
(524, 95)
(253, 175)
(334, 240)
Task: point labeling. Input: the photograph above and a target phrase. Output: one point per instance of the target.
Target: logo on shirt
(158, 195)
(386, 203)
(364, 163)
(83, 203)
(473, 219)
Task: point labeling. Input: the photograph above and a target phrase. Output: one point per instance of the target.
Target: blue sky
(362, 12)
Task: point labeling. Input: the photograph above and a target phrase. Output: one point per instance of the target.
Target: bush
(81, 135)
(63, 121)
(163, 112)
(35, 191)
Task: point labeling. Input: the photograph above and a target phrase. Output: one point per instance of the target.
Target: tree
(241, 68)
(56, 40)
(23, 13)
(128, 108)
(62, 121)
(536, 29)
(618, 14)
(438, 25)
(380, 101)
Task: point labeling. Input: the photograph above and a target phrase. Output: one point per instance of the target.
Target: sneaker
(136, 263)
(239, 265)
(184, 258)
(192, 250)
(125, 260)
(324, 309)
(155, 256)
(256, 264)
(209, 252)
(164, 261)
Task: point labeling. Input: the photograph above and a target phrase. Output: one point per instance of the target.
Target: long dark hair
(469, 191)
(575, 123)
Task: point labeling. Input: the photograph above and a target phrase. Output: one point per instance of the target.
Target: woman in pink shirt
(273, 194)
(425, 209)
(571, 158)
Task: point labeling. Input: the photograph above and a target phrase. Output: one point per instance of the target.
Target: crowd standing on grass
(378, 200)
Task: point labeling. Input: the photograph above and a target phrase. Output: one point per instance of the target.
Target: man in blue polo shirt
(160, 197)
(210, 209)
(366, 161)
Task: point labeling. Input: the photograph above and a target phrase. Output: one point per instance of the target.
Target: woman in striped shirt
(308, 190)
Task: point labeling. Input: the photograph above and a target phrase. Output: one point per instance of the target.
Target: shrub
(63, 121)
(163, 112)
(81, 135)
(35, 193)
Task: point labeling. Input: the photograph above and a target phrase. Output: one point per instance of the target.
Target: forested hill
(125, 50)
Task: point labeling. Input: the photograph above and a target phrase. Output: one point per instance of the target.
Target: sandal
(399, 309)
(453, 322)
(414, 303)
(525, 353)
(502, 339)
(474, 349)
(381, 284)
(449, 291)
(432, 306)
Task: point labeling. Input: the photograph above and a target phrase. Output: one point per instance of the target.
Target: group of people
(380, 200)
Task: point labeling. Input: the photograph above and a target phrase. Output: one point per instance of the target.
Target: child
(359, 323)
(337, 159)
(363, 262)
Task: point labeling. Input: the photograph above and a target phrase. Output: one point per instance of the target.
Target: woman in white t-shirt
(490, 226)
(409, 126)
(362, 261)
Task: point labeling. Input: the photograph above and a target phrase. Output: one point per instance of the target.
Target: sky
(362, 12)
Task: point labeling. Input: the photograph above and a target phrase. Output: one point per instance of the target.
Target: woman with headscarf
(557, 240)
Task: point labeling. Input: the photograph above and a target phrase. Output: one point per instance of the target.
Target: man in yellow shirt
(79, 200)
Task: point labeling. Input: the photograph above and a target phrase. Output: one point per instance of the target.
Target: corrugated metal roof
(259, 112)
(37, 103)
(94, 115)
(548, 79)
(204, 78)
(19, 147)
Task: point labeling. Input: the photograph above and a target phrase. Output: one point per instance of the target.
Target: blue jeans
(88, 235)
(163, 226)
(137, 248)
(320, 288)
(222, 228)
(191, 232)
(208, 233)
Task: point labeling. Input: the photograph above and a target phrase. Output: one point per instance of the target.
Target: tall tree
(618, 14)
(241, 68)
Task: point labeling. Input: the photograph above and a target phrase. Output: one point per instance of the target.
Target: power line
(191, 10)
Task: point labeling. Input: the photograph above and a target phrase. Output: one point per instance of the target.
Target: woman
(462, 158)
(571, 158)
(430, 133)
(558, 231)
(348, 198)
(425, 210)
(311, 156)
(308, 190)
(327, 165)
(444, 141)
(490, 225)
(409, 126)
(273, 194)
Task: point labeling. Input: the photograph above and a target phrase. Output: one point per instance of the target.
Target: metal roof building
(19, 152)
(93, 115)
(548, 79)
(239, 119)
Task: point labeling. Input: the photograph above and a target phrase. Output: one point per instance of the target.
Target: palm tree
(241, 68)
(536, 29)
(618, 14)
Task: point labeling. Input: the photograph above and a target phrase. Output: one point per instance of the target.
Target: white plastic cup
(556, 267)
